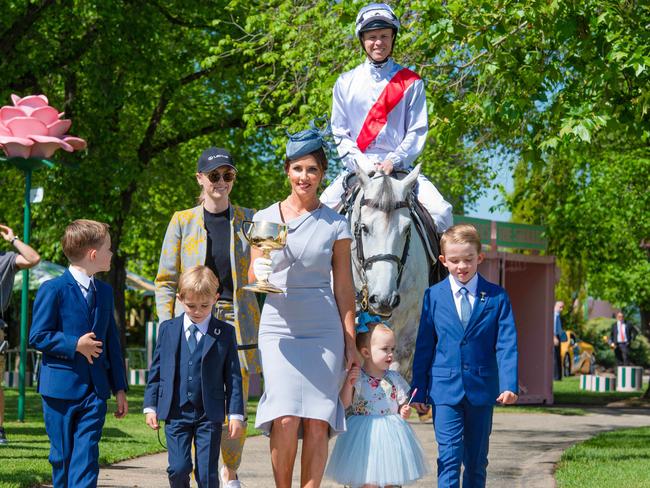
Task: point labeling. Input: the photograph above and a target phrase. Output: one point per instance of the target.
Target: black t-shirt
(217, 257)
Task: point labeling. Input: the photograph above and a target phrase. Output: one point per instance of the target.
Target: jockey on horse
(379, 114)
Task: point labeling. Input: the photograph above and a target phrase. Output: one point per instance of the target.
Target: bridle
(366, 263)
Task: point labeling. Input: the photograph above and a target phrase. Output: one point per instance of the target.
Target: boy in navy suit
(465, 359)
(194, 381)
(74, 327)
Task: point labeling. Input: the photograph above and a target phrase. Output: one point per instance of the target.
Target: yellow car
(577, 355)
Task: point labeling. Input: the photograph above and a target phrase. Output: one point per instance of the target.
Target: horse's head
(381, 224)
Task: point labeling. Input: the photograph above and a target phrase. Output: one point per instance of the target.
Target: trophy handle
(246, 227)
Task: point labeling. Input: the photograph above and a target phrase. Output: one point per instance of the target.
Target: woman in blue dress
(306, 336)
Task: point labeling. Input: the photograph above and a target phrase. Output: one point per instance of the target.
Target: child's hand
(421, 408)
(235, 428)
(405, 411)
(507, 398)
(122, 404)
(89, 347)
(353, 375)
(152, 420)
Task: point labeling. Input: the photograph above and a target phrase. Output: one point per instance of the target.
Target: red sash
(389, 98)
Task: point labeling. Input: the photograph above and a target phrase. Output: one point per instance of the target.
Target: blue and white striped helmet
(376, 16)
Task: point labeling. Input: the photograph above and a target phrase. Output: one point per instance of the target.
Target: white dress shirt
(621, 336)
(471, 287)
(82, 279)
(202, 330)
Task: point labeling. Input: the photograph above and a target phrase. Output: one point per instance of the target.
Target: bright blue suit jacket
(221, 381)
(60, 317)
(479, 361)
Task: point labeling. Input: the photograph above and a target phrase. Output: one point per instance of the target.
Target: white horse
(389, 261)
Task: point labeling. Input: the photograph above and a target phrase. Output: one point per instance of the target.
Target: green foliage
(561, 87)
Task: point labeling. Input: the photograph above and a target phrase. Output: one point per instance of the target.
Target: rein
(366, 263)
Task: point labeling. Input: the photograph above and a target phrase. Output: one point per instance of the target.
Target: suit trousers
(74, 428)
(622, 353)
(463, 436)
(186, 425)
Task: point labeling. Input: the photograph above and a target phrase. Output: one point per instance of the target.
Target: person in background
(558, 337)
(621, 336)
(24, 257)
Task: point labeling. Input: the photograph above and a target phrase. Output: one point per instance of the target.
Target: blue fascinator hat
(365, 318)
(309, 140)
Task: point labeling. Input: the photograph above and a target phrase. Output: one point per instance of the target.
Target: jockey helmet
(376, 16)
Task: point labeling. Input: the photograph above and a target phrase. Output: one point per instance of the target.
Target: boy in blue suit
(74, 327)
(465, 359)
(194, 381)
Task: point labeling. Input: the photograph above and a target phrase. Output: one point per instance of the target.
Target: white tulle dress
(379, 446)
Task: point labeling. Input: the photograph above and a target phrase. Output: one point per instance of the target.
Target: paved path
(523, 451)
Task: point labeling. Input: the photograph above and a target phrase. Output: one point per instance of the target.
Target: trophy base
(263, 287)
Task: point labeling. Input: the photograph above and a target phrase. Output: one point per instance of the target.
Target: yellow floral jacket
(185, 245)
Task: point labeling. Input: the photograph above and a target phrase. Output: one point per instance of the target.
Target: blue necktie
(91, 298)
(191, 340)
(465, 307)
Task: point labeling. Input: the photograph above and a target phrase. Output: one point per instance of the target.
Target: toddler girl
(379, 448)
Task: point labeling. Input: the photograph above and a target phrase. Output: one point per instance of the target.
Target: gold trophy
(266, 236)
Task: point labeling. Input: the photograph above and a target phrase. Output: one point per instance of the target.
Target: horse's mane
(384, 199)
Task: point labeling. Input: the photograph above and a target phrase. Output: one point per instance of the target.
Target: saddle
(424, 224)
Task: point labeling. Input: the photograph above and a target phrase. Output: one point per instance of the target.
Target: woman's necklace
(305, 210)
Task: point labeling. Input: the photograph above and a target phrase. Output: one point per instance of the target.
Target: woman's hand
(262, 269)
(352, 358)
(353, 375)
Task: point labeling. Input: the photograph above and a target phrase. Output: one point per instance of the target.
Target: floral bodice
(379, 396)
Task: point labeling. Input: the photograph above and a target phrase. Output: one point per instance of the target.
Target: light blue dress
(301, 335)
(379, 447)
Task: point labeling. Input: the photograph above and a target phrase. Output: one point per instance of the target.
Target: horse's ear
(411, 178)
(364, 179)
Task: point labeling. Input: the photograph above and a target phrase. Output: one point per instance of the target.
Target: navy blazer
(221, 381)
(60, 317)
(479, 361)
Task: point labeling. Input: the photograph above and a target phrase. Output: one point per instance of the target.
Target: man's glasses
(215, 176)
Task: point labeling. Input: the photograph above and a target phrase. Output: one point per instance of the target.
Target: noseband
(366, 263)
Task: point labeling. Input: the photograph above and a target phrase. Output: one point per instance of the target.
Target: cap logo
(210, 158)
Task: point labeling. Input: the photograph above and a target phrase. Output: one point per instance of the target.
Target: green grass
(568, 392)
(23, 463)
(612, 459)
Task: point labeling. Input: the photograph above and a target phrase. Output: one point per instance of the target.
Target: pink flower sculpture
(32, 129)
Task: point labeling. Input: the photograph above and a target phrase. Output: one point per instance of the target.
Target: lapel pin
(217, 331)
(482, 296)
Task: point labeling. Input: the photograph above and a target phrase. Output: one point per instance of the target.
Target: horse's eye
(364, 229)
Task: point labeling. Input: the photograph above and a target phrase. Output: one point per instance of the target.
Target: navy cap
(213, 158)
(303, 142)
